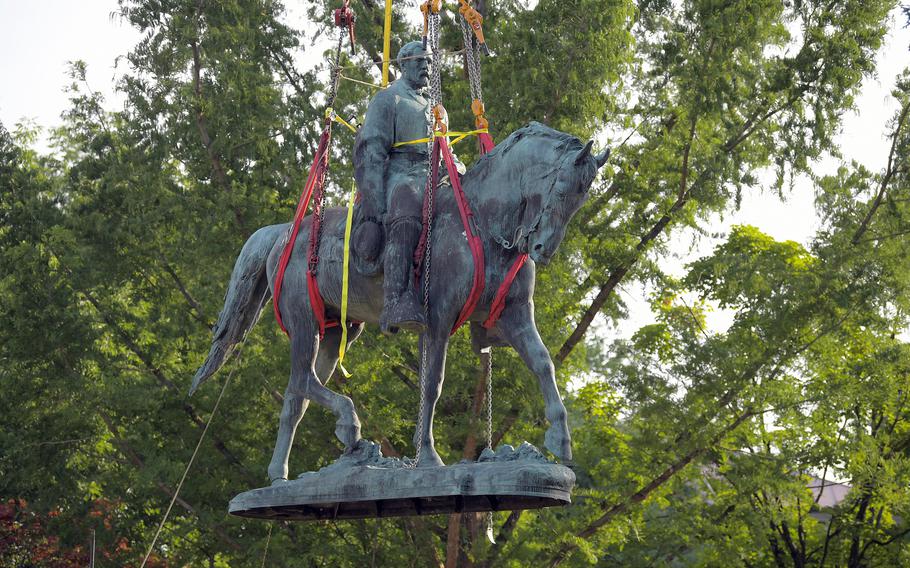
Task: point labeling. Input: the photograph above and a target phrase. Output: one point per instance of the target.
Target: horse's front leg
(518, 328)
(433, 377)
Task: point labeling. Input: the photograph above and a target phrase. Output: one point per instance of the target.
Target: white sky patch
(863, 137)
(37, 39)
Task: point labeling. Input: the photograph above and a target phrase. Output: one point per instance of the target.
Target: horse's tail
(247, 293)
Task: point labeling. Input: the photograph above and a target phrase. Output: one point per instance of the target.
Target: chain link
(489, 373)
(472, 56)
(427, 256)
(435, 75)
(318, 214)
(336, 70)
(435, 98)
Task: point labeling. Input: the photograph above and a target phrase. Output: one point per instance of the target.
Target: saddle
(368, 240)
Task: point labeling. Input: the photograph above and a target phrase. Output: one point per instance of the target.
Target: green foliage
(692, 447)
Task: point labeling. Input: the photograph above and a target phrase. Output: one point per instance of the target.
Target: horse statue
(523, 193)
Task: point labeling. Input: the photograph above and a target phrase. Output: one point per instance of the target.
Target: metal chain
(435, 76)
(472, 55)
(435, 98)
(319, 195)
(336, 70)
(319, 212)
(489, 373)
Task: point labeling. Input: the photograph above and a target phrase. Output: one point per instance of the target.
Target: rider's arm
(371, 153)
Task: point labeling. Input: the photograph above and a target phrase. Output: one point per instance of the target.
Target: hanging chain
(489, 377)
(422, 405)
(489, 373)
(319, 195)
(472, 55)
(435, 75)
(336, 70)
(435, 98)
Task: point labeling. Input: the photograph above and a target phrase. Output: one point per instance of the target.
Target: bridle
(523, 232)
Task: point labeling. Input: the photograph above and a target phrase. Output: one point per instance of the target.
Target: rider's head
(413, 61)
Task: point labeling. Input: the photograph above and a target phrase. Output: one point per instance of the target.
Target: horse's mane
(560, 143)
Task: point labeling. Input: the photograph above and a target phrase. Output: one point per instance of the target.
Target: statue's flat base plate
(367, 491)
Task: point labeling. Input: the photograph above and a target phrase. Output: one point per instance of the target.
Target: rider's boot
(400, 309)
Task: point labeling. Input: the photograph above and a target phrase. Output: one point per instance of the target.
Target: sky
(39, 37)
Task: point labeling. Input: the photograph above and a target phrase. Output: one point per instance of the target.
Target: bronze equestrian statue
(523, 194)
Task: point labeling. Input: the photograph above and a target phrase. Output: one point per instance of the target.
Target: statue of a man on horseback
(523, 194)
(391, 173)
(491, 226)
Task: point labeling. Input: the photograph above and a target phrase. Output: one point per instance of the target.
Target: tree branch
(202, 124)
(890, 171)
(197, 312)
(159, 376)
(617, 274)
(218, 170)
(378, 18)
(292, 77)
(646, 490)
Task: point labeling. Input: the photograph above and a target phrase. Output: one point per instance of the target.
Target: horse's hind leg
(518, 327)
(312, 363)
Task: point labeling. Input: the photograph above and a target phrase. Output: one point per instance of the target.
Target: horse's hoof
(348, 433)
(429, 458)
(359, 447)
(559, 443)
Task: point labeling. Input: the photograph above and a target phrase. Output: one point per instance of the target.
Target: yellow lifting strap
(371, 85)
(386, 42)
(458, 137)
(344, 281)
(331, 115)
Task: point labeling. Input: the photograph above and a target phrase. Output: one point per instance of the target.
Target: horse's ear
(602, 158)
(585, 152)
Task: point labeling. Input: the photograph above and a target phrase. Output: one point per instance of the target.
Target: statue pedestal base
(359, 486)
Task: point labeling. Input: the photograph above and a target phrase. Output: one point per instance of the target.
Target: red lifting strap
(467, 219)
(315, 181)
(499, 300)
(486, 142)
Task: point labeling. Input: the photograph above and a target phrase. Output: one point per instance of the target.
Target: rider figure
(392, 181)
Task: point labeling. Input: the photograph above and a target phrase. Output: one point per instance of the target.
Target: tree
(692, 446)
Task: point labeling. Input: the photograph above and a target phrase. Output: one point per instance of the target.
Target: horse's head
(558, 195)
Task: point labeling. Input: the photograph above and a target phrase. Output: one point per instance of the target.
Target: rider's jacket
(396, 114)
